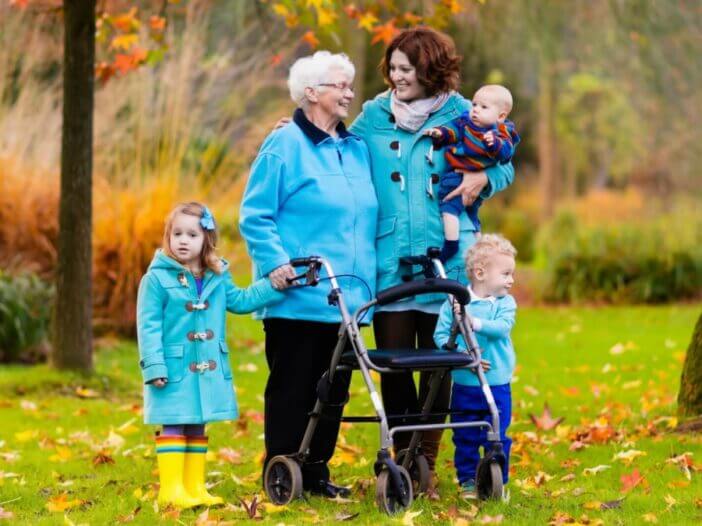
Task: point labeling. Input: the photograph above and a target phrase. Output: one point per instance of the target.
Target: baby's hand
(489, 138)
(159, 382)
(433, 132)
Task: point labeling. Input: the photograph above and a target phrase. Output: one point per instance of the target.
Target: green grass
(49, 436)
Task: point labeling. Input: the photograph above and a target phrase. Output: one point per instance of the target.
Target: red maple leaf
(546, 421)
(384, 33)
(632, 480)
(310, 39)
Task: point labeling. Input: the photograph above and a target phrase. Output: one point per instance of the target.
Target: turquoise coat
(177, 331)
(310, 194)
(407, 185)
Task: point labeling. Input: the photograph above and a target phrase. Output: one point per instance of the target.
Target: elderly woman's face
(404, 78)
(336, 96)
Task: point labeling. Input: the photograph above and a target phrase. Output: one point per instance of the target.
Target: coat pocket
(385, 245)
(173, 356)
(224, 360)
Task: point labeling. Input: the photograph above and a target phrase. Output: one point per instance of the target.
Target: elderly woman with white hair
(310, 193)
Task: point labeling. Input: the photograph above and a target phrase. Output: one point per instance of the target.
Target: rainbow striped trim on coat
(171, 444)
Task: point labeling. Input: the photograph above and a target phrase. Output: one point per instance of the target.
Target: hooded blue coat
(177, 330)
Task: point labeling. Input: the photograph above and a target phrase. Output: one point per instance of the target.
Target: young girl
(184, 358)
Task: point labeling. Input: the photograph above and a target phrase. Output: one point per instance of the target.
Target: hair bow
(207, 221)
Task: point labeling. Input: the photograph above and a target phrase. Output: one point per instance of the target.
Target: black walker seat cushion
(411, 359)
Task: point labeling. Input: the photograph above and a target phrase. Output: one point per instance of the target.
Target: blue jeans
(468, 440)
(448, 182)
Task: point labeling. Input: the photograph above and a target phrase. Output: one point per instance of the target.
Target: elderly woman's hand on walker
(279, 277)
(470, 188)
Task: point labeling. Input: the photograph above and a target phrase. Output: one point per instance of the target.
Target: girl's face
(403, 76)
(187, 238)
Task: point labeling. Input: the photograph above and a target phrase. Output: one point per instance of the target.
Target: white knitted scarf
(412, 115)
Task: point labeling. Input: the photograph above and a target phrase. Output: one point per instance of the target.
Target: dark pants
(298, 352)
(410, 330)
(469, 440)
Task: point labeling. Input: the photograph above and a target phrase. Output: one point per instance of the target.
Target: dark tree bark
(690, 395)
(72, 329)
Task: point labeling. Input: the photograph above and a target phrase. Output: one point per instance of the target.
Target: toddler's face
(186, 239)
(499, 275)
(486, 109)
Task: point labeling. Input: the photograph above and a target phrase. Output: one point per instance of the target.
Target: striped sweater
(469, 151)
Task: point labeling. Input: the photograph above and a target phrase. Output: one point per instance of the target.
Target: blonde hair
(501, 95)
(486, 247)
(208, 257)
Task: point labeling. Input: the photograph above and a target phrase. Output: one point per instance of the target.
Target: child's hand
(476, 324)
(489, 138)
(456, 308)
(433, 132)
(159, 382)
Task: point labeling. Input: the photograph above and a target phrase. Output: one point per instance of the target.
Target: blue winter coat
(311, 194)
(177, 330)
(406, 184)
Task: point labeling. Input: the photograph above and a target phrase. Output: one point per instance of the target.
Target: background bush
(650, 261)
(25, 308)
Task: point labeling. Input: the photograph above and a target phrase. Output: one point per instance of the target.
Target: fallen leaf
(631, 480)
(408, 517)
(487, 519)
(229, 455)
(546, 421)
(567, 478)
(28, 405)
(649, 517)
(345, 516)
(629, 456)
(61, 503)
(6, 515)
(612, 504)
(596, 469)
(102, 457)
(670, 501)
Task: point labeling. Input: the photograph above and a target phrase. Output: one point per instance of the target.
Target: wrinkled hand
(489, 138)
(485, 364)
(433, 132)
(279, 277)
(470, 188)
(159, 382)
(282, 122)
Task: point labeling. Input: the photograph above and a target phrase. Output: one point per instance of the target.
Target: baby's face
(487, 109)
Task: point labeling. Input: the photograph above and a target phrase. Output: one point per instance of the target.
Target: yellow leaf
(272, 508)
(595, 470)
(124, 42)
(367, 21)
(62, 454)
(592, 505)
(61, 503)
(408, 517)
(325, 17)
(281, 10)
(670, 500)
(627, 457)
(26, 436)
(649, 517)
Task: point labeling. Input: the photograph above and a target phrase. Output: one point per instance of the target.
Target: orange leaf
(384, 33)
(157, 23)
(351, 11)
(61, 503)
(19, 3)
(632, 480)
(126, 22)
(124, 42)
(546, 421)
(411, 18)
(102, 457)
(310, 39)
(276, 59)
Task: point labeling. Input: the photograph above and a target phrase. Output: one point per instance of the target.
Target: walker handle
(425, 286)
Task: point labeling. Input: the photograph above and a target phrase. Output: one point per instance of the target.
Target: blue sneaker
(468, 491)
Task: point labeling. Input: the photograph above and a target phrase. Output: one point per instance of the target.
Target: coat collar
(313, 133)
(475, 297)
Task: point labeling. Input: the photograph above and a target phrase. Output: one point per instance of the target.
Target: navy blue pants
(468, 440)
(448, 183)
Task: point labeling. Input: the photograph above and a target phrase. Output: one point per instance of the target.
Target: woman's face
(403, 76)
(336, 94)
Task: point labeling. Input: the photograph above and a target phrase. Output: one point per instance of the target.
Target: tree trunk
(546, 139)
(72, 328)
(690, 395)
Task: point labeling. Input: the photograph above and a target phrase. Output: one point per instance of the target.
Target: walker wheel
(282, 480)
(489, 479)
(386, 497)
(418, 471)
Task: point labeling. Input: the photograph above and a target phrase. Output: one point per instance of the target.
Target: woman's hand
(282, 122)
(470, 188)
(486, 364)
(159, 382)
(279, 277)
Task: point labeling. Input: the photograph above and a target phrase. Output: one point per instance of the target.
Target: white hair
(310, 71)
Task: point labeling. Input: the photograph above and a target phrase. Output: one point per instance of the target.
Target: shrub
(652, 261)
(25, 307)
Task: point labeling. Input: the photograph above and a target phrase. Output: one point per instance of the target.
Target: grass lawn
(77, 446)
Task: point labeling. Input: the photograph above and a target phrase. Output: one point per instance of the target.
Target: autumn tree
(72, 330)
(690, 395)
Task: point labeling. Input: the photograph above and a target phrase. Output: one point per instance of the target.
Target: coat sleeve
(501, 326)
(499, 177)
(450, 134)
(259, 212)
(254, 297)
(442, 333)
(150, 306)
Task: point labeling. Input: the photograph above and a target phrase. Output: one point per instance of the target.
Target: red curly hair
(432, 53)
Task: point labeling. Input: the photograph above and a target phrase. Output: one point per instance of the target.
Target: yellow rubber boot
(194, 474)
(170, 451)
